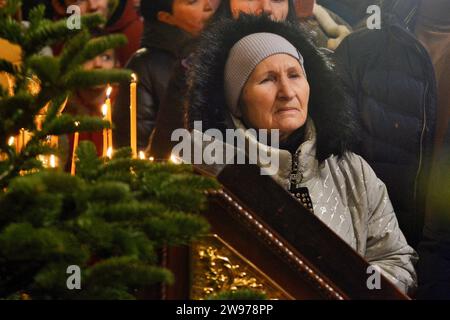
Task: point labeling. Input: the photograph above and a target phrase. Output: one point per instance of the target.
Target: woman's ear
(238, 111)
(165, 17)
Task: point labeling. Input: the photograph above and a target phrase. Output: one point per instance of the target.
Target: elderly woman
(260, 74)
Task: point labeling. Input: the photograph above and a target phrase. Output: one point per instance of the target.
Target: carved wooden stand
(263, 238)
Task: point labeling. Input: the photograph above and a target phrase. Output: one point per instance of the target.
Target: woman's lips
(287, 110)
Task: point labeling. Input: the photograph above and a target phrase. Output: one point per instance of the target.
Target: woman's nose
(93, 5)
(266, 6)
(207, 7)
(97, 63)
(214, 4)
(285, 90)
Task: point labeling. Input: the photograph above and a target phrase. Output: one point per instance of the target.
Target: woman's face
(106, 60)
(276, 9)
(188, 15)
(276, 95)
(91, 6)
(95, 96)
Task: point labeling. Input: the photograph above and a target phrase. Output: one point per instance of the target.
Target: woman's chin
(291, 124)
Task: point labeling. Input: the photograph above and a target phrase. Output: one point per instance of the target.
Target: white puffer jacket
(349, 198)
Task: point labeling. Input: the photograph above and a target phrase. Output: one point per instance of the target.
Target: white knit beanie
(243, 58)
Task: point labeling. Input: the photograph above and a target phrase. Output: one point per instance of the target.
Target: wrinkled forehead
(278, 62)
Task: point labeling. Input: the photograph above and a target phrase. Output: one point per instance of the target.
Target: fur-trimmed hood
(327, 104)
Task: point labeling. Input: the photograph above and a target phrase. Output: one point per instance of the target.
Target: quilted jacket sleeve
(386, 245)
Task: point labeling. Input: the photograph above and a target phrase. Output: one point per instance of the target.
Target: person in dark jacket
(126, 20)
(326, 29)
(392, 88)
(434, 249)
(433, 30)
(352, 11)
(171, 116)
(169, 28)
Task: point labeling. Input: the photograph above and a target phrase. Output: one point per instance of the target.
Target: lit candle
(20, 140)
(11, 141)
(25, 136)
(109, 114)
(10, 84)
(63, 106)
(175, 160)
(109, 152)
(74, 149)
(53, 161)
(142, 155)
(105, 131)
(133, 116)
(48, 161)
(53, 141)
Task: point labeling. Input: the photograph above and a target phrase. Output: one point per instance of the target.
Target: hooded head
(207, 101)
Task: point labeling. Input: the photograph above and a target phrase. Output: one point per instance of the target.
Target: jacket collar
(165, 37)
(306, 154)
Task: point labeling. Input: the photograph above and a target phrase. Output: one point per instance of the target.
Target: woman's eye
(267, 79)
(106, 57)
(294, 75)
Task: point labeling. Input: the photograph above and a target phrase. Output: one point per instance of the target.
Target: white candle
(105, 131)
(76, 137)
(53, 161)
(75, 145)
(133, 116)
(109, 152)
(109, 114)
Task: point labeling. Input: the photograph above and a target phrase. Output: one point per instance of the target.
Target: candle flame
(176, 160)
(133, 77)
(10, 141)
(52, 161)
(109, 152)
(151, 159)
(77, 123)
(108, 91)
(142, 155)
(105, 109)
(63, 105)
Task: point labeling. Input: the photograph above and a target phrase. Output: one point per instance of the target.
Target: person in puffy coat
(255, 73)
(390, 78)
